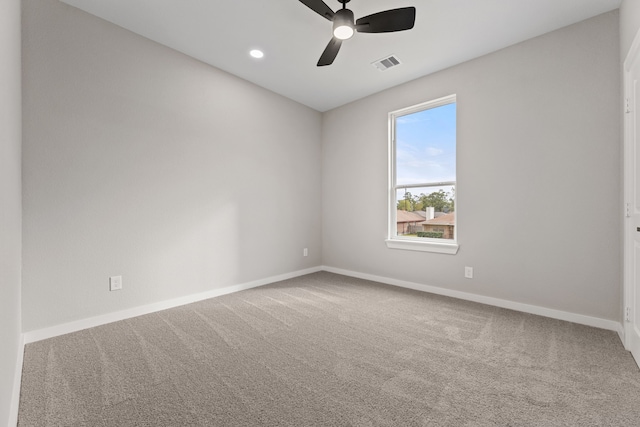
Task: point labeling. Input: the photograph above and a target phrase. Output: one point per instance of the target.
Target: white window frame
(425, 244)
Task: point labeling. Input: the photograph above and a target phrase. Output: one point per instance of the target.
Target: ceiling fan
(343, 27)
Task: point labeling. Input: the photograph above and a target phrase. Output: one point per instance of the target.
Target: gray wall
(629, 24)
(10, 200)
(142, 162)
(539, 149)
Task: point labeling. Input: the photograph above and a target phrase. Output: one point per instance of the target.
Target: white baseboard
(596, 322)
(17, 383)
(78, 325)
(621, 332)
(54, 331)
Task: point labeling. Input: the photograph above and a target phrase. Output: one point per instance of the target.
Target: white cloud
(418, 165)
(433, 151)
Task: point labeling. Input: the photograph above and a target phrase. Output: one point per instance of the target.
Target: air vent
(386, 63)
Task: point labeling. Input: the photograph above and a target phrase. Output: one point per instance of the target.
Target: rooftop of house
(405, 216)
(446, 219)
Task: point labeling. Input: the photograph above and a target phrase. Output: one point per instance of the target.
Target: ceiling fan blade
(330, 52)
(388, 21)
(319, 7)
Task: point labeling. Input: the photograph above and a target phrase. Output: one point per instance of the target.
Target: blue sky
(426, 146)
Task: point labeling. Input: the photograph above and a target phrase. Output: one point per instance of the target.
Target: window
(422, 177)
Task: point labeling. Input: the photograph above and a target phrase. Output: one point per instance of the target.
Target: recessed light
(256, 53)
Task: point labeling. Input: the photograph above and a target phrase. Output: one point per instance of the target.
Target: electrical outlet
(468, 272)
(305, 252)
(115, 283)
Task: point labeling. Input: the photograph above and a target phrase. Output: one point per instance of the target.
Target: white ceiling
(292, 36)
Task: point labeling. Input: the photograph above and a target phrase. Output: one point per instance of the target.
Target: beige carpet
(328, 350)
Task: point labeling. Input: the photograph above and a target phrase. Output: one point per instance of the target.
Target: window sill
(430, 246)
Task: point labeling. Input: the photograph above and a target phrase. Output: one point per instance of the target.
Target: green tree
(408, 203)
(440, 200)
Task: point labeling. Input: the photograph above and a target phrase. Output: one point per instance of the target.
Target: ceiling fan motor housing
(343, 17)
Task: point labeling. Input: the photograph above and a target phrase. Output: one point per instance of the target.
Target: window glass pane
(426, 146)
(426, 212)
